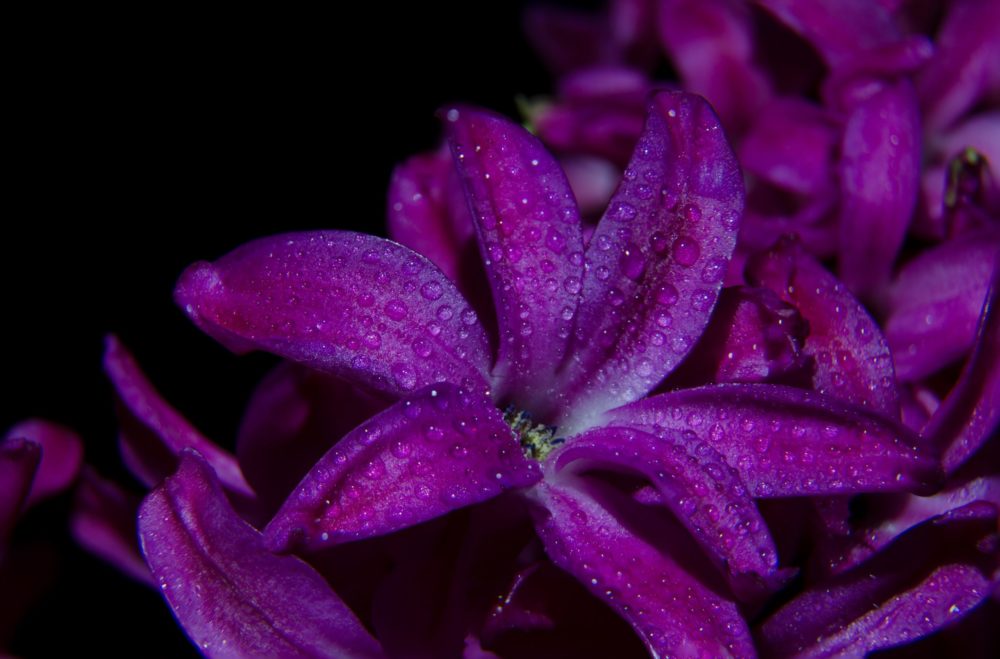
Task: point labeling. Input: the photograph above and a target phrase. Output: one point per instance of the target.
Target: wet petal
(701, 489)
(352, 305)
(657, 259)
(852, 357)
(103, 521)
(935, 302)
(19, 460)
(789, 442)
(294, 416)
(671, 610)
(62, 456)
(153, 433)
(880, 169)
(928, 578)
(232, 596)
(529, 235)
(971, 412)
(439, 450)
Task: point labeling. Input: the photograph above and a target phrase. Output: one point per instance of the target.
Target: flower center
(537, 439)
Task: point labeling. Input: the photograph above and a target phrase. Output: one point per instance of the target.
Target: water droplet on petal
(395, 309)
(686, 251)
(431, 290)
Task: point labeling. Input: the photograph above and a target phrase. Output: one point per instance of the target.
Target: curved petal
(671, 610)
(935, 302)
(928, 578)
(62, 456)
(703, 492)
(440, 449)
(852, 357)
(352, 305)
(529, 235)
(880, 180)
(789, 442)
(232, 596)
(657, 259)
(153, 433)
(971, 412)
(19, 460)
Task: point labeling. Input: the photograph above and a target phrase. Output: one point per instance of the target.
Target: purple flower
(548, 401)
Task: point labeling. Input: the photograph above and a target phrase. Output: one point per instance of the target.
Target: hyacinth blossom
(653, 496)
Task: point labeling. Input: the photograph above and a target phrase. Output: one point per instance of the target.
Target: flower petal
(153, 433)
(233, 597)
(441, 449)
(788, 442)
(852, 358)
(928, 578)
(971, 412)
(935, 302)
(529, 235)
(294, 416)
(103, 522)
(62, 456)
(19, 460)
(880, 180)
(356, 306)
(671, 610)
(705, 494)
(657, 259)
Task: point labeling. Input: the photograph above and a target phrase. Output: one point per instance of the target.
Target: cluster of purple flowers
(699, 367)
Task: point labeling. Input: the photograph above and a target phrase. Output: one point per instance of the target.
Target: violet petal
(153, 433)
(529, 235)
(789, 442)
(232, 596)
(852, 357)
(657, 259)
(670, 609)
(935, 302)
(703, 492)
(880, 169)
(438, 450)
(352, 305)
(927, 578)
(62, 456)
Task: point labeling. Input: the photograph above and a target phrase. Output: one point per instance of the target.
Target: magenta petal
(935, 302)
(62, 456)
(19, 460)
(789, 442)
(532, 246)
(928, 578)
(971, 412)
(232, 596)
(701, 489)
(852, 358)
(880, 171)
(657, 259)
(353, 305)
(439, 450)
(672, 611)
(153, 433)
(103, 521)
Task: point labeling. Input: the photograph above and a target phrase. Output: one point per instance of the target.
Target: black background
(147, 141)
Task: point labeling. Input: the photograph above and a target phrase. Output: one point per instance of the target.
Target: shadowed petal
(531, 243)
(701, 489)
(19, 460)
(657, 259)
(935, 302)
(153, 433)
(671, 610)
(852, 358)
(438, 450)
(232, 596)
(62, 456)
(788, 442)
(880, 180)
(928, 578)
(357, 306)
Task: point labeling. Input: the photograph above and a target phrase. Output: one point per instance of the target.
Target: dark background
(146, 142)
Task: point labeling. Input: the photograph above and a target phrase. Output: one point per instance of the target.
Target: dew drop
(666, 295)
(431, 290)
(422, 348)
(445, 312)
(686, 251)
(404, 375)
(395, 309)
(632, 262)
(572, 285)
